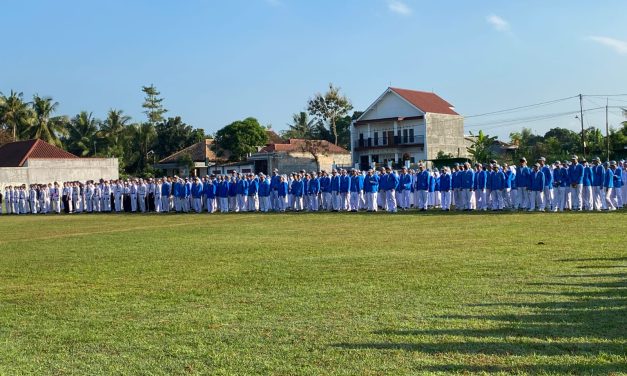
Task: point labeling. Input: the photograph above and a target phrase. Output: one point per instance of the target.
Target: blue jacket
(446, 182)
(523, 177)
(618, 177)
(498, 180)
(423, 180)
(357, 183)
(457, 179)
(274, 182)
(223, 189)
(575, 173)
(313, 188)
(371, 184)
(197, 190)
(282, 189)
(537, 182)
(598, 175)
(608, 179)
(392, 181)
(481, 180)
(564, 177)
(166, 189)
(588, 176)
(468, 179)
(188, 189)
(242, 187)
(405, 182)
(210, 190)
(264, 188)
(325, 184)
(232, 188)
(345, 183)
(335, 183)
(297, 188)
(253, 187)
(510, 179)
(548, 176)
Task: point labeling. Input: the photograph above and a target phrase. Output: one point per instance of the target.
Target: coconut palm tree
(112, 131)
(301, 127)
(140, 138)
(82, 134)
(14, 113)
(43, 125)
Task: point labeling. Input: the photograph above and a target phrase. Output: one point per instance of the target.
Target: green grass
(345, 294)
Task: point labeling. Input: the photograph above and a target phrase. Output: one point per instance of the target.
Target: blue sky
(218, 61)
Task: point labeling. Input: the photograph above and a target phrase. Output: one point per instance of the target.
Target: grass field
(346, 294)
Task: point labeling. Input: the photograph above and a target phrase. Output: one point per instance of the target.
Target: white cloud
(399, 7)
(619, 46)
(498, 23)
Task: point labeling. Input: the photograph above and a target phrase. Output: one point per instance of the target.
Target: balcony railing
(372, 142)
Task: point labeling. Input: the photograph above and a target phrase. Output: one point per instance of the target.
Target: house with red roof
(298, 154)
(406, 126)
(38, 162)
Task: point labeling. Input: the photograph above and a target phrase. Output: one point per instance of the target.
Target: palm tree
(14, 112)
(481, 147)
(301, 127)
(44, 126)
(82, 134)
(140, 138)
(112, 130)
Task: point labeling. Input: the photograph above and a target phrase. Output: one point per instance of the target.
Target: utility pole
(607, 128)
(583, 134)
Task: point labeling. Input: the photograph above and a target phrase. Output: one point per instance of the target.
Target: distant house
(199, 157)
(502, 151)
(406, 125)
(296, 155)
(206, 158)
(38, 162)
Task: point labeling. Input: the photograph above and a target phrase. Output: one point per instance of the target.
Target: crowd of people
(561, 186)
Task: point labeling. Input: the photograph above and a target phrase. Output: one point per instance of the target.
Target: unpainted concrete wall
(40, 171)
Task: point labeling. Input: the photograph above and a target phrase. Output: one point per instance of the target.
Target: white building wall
(43, 171)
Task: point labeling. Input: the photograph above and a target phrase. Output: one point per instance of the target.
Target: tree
(481, 148)
(242, 138)
(14, 113)
(152, 104)
(442, 155)
(316, 148)
(301, 127)
(329, 108)
(82, 134)
(173, 135)
(140, 138)
(113, 130)
(43, 124)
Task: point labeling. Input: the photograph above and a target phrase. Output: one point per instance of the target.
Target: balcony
(387, 142)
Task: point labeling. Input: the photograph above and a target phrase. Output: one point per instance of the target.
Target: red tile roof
(426, 102)
(298, 145)
(199, 152)
(15, 154)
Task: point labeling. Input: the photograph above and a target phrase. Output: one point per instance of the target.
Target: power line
(522, 107)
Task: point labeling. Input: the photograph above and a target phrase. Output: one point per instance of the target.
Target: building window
(411, 135)
(376, 138)
(405, 135)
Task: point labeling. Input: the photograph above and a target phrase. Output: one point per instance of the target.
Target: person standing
(468, 181)
(446, 184)
(356, 190)
(264, 194)
(608, 187)
(575, 174)
(497, 184)
(598, 174)
(391, 185)
(371, 187)
(549, 198)
(537, 189)
(314, 192)
(523, 184)
(404, 189)
(423, 180)
(587, 194)
(481, 187)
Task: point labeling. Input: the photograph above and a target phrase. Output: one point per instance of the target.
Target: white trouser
(524, 197)
(588, 200)
(297, 203)
(224, 204)
(457, 198)
(345, 201)
(382, 200)
(274, 200)
(481, 197)
(327, 201)
(33, 206)
(390, 200)
(536, 198)
(133, 202)
(197, 204)
(466, 199)
(496, 199)
(337, 200)
(314, 203)
(106, 203)
(446, 200)
(577, 196)
(142, 203)
(608, 199)
(96, 204)
(165, 204)
(282, 200)
(253, 203)
(371, 201)
(264, 204)
(598, 198)
(354, 200)
(549, 198)
(211, 204)
(507, 198)
(619, 196)
(423, 199)
(404, 199)
(242, 203)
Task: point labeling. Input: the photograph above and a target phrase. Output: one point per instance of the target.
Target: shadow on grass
(588, 320)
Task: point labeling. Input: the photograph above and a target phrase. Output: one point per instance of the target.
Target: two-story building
(406, 125)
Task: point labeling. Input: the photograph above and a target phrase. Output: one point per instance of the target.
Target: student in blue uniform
(223, 193)
(468, 181)
(345, 187)
(598, 173)
(335, 191)
(456, 175)
(313, 191)
(523, 185)
(608, 187)
(549, 197)
(537, 189)
(404, 189)
(197, 193)
(481, 187)
(325, 191)
(446, 184)
(210, 189)
(575, 174)
(587, 194)
(282, 192)
(264, 193)
(253, 197)
(371, 189)
(423, 180)
(497, 188)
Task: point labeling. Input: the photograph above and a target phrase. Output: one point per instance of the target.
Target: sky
(215, 62)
